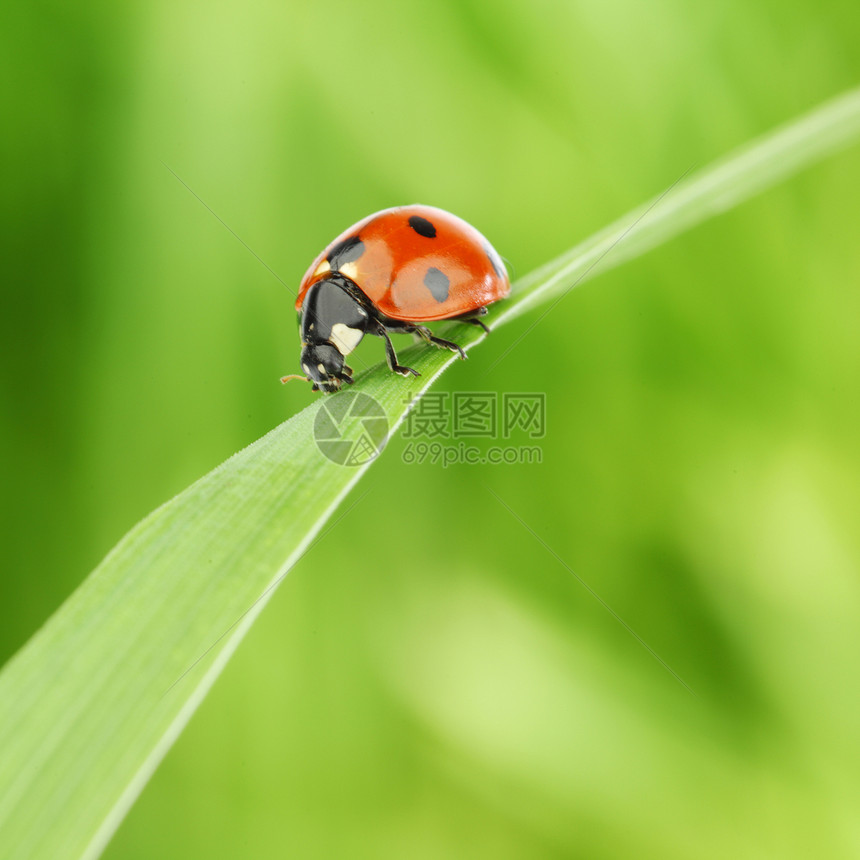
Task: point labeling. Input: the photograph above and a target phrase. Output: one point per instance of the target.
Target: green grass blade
(93, 702)
(715, 189)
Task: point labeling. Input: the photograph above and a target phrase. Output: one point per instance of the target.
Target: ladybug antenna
(286, 379)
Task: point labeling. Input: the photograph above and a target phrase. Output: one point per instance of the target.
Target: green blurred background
(429, 681)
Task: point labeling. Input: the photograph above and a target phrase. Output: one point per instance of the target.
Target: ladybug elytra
(391, 273)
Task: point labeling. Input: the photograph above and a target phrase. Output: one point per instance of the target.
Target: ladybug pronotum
(391, 273)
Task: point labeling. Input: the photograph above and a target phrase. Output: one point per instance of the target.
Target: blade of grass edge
(92, 703)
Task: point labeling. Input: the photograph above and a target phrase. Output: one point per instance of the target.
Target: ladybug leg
(345, 376)
(428, 337)
(391, 355)
(477, 322)
(472, 318)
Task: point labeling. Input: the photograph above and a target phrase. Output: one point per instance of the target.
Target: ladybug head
(323, 364)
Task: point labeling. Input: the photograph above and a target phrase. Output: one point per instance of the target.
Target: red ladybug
(392, 272)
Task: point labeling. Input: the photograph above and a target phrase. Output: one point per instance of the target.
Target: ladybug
(391, 273)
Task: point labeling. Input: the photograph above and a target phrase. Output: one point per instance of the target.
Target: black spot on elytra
(437, 282)
(497, 264)
(345, 252)
(422, 227)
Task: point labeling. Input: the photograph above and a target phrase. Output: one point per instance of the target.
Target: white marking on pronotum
(322, 267)
(321, 367)
(344, 338)
(350, 270)
(306, 369)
